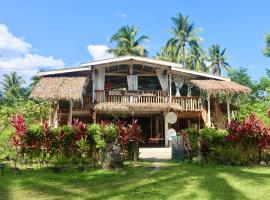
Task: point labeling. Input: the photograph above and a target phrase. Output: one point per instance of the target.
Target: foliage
(95, 134)
(12, 86)
(127, 44)
(266, 50)
(184, 34)
(218, 59)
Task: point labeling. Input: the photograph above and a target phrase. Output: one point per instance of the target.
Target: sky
(52, 34)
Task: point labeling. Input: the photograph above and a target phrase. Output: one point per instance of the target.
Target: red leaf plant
(46, 143)
(19, 138)
(251, 132)
(80, 131)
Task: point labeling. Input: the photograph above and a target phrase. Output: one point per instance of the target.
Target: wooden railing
(140, 96)
(145, 96)
(188, 103)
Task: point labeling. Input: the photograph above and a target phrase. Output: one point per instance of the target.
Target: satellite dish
(171, 117)
(171, 133)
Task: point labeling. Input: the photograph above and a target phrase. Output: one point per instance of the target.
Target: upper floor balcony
(187, 103)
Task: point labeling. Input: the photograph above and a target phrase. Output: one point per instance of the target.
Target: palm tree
(12, 85)
(266, 50)
(127, 44)
(34, 81)
(218, 59)
(196, 60)
(184, 34)
(169, 53)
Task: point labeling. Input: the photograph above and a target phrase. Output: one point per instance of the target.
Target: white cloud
(99, 52)
(9, 42)
(16, 54)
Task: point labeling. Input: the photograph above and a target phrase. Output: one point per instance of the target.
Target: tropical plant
(126, 42)
(169, 53)
(217, 59)
(12, 85)
(266, 50)
(184, 33)
(196, 60)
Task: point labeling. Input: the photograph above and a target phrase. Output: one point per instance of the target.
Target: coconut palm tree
(34, 81)
(184, 33)
(12, 85)
(126, 42)
(218, 59)
(169, 53)
(196, 60)
(266, 50)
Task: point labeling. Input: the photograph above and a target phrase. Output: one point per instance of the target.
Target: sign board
(171, 133)
(171, 117)
(130, 93)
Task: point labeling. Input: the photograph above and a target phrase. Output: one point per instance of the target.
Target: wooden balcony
(189, 103)
(147, 96)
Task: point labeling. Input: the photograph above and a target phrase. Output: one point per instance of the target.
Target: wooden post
(69, 122)
(166, 128)
(208, 111)
(94, 116)
(170, 86)
(228, 99)
(93, 85)
(50, 115)
(151, 124)
(55, 117)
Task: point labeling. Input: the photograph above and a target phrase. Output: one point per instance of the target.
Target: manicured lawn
(149, 181)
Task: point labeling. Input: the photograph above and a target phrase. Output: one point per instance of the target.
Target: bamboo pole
(69, 122)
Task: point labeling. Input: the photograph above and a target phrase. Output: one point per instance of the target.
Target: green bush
(95, 135)
(5, 144)
(110, 131)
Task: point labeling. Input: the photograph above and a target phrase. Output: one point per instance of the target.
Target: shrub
(95, 135)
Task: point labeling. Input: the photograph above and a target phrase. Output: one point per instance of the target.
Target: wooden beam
(208, 111)
(228, 99)
(124, 74)
(93, 86)
(170, 86)
(69, 122)
(166, 128)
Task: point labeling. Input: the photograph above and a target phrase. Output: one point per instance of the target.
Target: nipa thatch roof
(131, 107)
(59, 88)
(215, 87)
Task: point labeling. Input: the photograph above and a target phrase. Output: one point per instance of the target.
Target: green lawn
(169, 181)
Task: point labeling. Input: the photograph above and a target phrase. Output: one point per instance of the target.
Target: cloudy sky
(52, 34)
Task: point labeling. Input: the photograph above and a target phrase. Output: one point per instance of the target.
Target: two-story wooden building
(137, 87)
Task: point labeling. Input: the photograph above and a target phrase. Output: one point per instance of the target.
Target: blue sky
(55, 34)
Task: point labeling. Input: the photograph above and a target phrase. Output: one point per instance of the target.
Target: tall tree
(12, 85)
(218, 59)
(169, 53)
(184, 33)
(127, 44)
(266, 50)
(196, 60)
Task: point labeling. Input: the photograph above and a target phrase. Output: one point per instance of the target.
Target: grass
(170, 180)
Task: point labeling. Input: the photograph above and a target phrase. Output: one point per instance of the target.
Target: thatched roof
(130, 107)
(215, 86)
(59, 88)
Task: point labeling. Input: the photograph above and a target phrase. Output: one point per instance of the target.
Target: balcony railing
(188, 103)
(145, 96)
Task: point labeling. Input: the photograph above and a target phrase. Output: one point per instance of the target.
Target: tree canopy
(126, 42)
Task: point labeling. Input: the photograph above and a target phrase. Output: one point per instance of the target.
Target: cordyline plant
(19, 137)
(252, 133)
